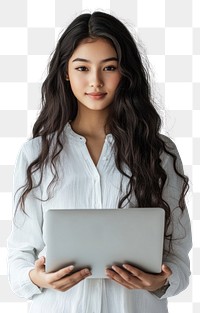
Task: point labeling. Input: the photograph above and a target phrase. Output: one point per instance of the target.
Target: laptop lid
(99, 238)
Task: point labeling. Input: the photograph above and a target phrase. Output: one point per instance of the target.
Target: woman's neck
(91, 124)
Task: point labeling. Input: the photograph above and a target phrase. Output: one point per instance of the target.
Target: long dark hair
(133, 120)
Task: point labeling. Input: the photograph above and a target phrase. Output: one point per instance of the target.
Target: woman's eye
(110, 68)
(81, 68)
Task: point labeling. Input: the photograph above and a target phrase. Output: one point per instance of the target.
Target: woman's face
(93, 73)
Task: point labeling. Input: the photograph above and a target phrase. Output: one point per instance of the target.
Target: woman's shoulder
(170, 149)
(31, 148)
(169, 143)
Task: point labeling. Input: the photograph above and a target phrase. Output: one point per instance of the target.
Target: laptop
(100, 238)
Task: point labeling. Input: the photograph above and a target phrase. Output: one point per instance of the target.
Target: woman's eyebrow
(102, 61)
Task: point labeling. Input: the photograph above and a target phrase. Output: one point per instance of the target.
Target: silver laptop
(99, 238)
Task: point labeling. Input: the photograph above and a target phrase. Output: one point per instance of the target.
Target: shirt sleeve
(178, 257)
(25, 240)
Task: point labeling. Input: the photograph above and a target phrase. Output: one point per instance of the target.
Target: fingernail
(71, 267)
(87, 271)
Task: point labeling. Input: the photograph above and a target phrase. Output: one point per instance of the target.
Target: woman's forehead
(101, 47)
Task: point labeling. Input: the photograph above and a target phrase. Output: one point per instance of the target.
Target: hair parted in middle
(133, 120)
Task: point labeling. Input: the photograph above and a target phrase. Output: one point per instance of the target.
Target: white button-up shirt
(83, 185)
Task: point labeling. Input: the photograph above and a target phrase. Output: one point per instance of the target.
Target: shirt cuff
(161, 291)
(27, 289)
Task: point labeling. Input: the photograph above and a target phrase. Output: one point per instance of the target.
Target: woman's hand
(133, 278)
(57, 280)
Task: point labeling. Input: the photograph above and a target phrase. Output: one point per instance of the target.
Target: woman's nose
(96, 81)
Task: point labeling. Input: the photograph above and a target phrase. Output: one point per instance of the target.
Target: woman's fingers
(134, 271)
(71, 280)
(53, 277)
(117, 278)
(134, 278)
(125, 277)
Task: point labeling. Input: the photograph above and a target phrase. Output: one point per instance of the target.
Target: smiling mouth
(96, 95)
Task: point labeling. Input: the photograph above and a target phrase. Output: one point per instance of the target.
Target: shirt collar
(109, 137)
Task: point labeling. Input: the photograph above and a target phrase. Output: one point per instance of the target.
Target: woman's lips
(96, 95)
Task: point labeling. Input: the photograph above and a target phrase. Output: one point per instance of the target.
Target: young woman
(96, 144)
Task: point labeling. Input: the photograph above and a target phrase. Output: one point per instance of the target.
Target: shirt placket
(96, 172)
(97, 192)
(95, 176)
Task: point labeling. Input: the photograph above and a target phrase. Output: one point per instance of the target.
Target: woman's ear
(67, 77)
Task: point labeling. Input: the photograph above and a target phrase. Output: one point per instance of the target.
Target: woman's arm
(178, 258)
(26, 272)
(174, 277)
(25, 241)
